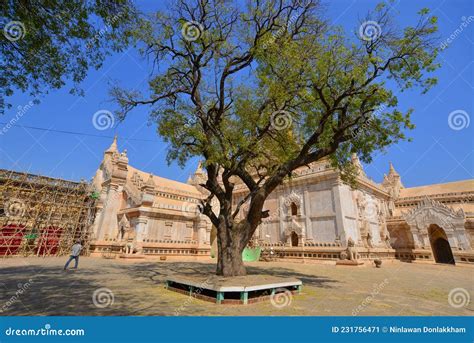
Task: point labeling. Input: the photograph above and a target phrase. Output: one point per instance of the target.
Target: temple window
(294, 209)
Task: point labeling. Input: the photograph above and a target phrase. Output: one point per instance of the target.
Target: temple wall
(177, 230)
(349, 210)
(322, 212)
(323, 230)
(271, 229)
(312, 215)
(321, 201)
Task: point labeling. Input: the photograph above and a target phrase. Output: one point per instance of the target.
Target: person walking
(75, 252)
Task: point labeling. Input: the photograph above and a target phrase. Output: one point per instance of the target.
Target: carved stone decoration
(392, 182)
(361, 203)
(293, 197)
(369, 240)
(386, 241)
(106, 170)
(383, 230)
(137, 180)
(126, 234)
(430, 212)
(132, 196)
(357, 165)
(295, 227)
(123, 227)
(351, 251)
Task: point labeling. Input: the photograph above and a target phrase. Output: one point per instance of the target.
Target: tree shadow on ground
(48, 290)
(34, 290)
(157, 272)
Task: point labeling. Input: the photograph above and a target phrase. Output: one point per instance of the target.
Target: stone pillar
(426, 240)
(281, 217)
(417, 239)
(452, 239)
(108, 224)
(203, 233)
(461, 237)
(338, 208)
(141, 228)
(208, 235)
(307, 214)
(96, 226)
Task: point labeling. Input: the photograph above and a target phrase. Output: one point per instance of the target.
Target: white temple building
(312, 216)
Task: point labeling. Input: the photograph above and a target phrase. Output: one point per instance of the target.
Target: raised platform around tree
(235, 290)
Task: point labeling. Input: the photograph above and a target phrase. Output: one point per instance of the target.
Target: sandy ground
(39, 286)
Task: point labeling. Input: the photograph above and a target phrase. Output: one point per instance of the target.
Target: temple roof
(164, 184)
(439, 188)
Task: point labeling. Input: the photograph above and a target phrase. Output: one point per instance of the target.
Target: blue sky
(439, 152)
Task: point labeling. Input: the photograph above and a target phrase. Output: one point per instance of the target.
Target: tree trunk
(230, 244)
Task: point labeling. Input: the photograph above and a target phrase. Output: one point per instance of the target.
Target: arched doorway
(442, 252)
(294, 239)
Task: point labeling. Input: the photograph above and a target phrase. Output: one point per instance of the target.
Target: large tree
(263, 89)
(44, 43)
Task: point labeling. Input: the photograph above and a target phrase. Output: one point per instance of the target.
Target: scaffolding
(43, 216)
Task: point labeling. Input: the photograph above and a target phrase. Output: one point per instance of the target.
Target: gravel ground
(39, 286)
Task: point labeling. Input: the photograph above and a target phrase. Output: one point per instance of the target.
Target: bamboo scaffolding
(43, 216)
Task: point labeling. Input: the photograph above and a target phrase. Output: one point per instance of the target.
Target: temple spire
(199, 170)
(150, 183)
(392, 171)
(356, 162)
(113, 146)
(392, 181)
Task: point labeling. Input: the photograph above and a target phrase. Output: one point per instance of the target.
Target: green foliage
(268, 88)
(58, 40)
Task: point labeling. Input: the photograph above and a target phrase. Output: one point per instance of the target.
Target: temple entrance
(294, 239)
(440, 245)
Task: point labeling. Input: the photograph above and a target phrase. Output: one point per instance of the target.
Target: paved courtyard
(37, 286)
